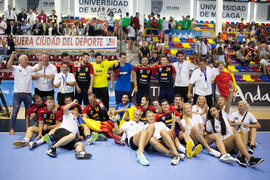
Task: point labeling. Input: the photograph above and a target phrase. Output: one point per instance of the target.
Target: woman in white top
(131, 36)
(245, 123)
(138, 136)
(218, 123)
(194, 128)
(162, 139)
(201, 108)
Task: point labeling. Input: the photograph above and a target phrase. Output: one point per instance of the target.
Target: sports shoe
(255, 161)
(32, 145)
(48, 139)
(182, 156)
(197, 150)
(189, 148)
(142, 160)
(92, 138)
(227, 158)
(214, 152)
(52, 152)
(102, 137)
(20, 143)
(242, 161)
(175, 160)
(251, 149)
(117, 140)
(83, 155)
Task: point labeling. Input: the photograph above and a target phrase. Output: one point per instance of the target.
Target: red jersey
(165, 75)
(48, 117)
(166, 118)
(70, 67)
(97, 112)
(143, 117)
(34, 108)
(223, 83)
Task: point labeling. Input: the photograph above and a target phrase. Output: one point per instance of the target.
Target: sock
(181, 148)
(26, 139)
(41, 141)
(192, 142)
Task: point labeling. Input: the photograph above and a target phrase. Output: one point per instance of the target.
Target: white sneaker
(181, 148)
(182, 156)
(227, 158)
(214, 153)
(175, 160)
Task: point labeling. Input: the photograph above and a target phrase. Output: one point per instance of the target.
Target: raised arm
(11, 59)
(68, 106)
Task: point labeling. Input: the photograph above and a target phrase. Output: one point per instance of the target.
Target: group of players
(161, 127)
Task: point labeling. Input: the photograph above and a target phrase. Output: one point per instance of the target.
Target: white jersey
(236, 117)
(158, 127)
(229, 131)
(194, 121)
(70, 123)
(199, 110)
(131, 128)
(183, 73)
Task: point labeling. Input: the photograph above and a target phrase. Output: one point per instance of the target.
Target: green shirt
(189, 24)
(159, 22)
(184, 24)
(148, 24)
(126, 21)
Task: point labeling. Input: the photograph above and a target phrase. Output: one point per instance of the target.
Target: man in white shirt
(102, 15)
(3, 26)
(183, 69)
(31, 17)
(202, 78)
(44, 78)
(22, 85)
(138, 136)
(65, 82)
(65, 135)
(9, 14)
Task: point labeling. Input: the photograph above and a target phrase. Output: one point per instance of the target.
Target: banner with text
(232, 11)
(64, 42)
(94, 7)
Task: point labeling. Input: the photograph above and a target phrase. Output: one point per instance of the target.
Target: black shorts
(59, 134)
(131, 38)
(125, 30)
(111, 29)
(135, 147)
(45, 132)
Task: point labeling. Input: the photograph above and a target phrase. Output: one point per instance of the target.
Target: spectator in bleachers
(35, 12)
(42, 17)
(98, 27)
(165, 29)
(44, 78)
(31, 17)
(60, 29)
(220, 55)
(183, 70)
(10, 44)
(143, 51)
(77, 30)
(89, 29)
(265, 65)
(9, 15)
(37, 28)
(111, 24)
(102, 15)
(25, 28)
(3, 26)
(53, 17)
(159, 22)
(137, 24)
(65, 82)
(12, 28)
(51, 30)
(224, 35)
(125, 24)
(22, 85)
(22, 16)
(242, 58)
(67, 30)
(131, 36)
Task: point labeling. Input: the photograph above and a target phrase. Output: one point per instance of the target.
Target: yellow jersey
(101, 73)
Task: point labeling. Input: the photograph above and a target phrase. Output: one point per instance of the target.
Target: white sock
(26, 139)
(192, 143)
(41, 141)
(181, 148)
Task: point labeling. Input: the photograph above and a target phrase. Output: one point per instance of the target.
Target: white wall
(261, 12)
(1, 8)
(19, 4)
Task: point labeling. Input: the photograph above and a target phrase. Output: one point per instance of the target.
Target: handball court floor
(111, 161)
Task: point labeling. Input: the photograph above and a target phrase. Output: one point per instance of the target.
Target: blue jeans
(18, 98)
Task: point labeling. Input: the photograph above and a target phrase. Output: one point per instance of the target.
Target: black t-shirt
(145, 51)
